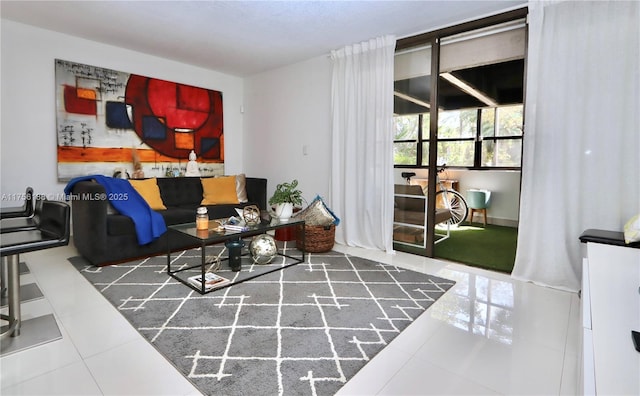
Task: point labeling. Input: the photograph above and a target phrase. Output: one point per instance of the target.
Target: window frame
(478, 140)
(432, 38)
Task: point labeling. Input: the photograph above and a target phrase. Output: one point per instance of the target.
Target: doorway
(474, 132)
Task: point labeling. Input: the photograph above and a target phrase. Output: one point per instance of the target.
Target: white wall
(28, 133)
(287, 110)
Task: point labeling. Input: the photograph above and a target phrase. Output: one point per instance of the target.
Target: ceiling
(501, 83)
(243, 38)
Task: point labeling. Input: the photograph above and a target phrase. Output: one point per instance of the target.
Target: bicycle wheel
(456, 204)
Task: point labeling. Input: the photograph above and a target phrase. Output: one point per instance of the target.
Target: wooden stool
(480, 211)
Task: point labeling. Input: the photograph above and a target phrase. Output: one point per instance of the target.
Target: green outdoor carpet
(493, 247)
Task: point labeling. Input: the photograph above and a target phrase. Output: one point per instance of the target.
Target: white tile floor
(488, 335)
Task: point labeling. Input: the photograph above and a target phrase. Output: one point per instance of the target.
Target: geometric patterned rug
(303, 330)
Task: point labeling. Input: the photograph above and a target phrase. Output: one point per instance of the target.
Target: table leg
(168, 257)
(203, 257)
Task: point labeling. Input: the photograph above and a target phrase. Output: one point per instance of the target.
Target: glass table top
(215, 232)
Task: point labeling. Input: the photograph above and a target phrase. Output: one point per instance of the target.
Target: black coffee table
(212, 237)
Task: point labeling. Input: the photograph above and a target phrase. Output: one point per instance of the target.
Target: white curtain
(581, 164)
(362, 143)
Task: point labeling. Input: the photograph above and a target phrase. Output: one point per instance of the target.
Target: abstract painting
(108, 119)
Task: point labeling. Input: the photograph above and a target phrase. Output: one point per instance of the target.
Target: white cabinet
(588, 371)
(611, 309)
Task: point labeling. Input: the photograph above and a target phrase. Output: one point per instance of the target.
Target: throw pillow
(241, 188)
(148, 189)
(632, 230)
(219, 190)
(317, 214)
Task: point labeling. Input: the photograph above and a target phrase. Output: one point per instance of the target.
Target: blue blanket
(125, 199)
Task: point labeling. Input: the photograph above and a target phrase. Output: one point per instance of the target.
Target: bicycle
(452, 200)
(446, 198)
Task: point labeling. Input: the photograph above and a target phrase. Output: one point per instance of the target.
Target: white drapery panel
(582, 135)
(362, 143)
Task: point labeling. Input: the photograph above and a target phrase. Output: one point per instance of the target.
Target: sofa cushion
(118, 224)
(409, 217)
(241, 188)
(148, 189)
(419, 218)
(174, 216)
(409, 203)
(176, 191)
(219, 190)
(224, 211)
(408, 235)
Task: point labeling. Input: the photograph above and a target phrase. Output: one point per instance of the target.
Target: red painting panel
(79, 104)
(179, 109)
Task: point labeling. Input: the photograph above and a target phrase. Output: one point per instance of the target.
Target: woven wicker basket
(317, 239)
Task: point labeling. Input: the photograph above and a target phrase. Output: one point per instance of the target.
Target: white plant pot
(284, 211)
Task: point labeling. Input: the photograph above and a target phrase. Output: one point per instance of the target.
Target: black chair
(18, 224)
(53, 230)
(23, 223)
(26, 210)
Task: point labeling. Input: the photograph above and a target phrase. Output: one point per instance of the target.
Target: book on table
(233, 224)
(235, 227)
(211, 281)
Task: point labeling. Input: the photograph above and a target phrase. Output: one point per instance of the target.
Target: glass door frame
(433, 38)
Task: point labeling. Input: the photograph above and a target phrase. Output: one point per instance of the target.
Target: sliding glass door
(412, 97)
(458, 105)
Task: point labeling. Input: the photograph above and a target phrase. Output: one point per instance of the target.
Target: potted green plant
(284, 198)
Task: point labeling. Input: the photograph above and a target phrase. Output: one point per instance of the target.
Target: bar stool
(478, 201)
(17, 224)
(31, 222)
(53, 230)
(25, 210)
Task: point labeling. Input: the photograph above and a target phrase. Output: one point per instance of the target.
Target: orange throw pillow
(219, 190)
(150, 191)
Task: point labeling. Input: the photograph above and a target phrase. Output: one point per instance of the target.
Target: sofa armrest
(257, 191)
(89, 218)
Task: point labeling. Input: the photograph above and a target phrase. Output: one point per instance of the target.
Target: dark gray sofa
(104, 237)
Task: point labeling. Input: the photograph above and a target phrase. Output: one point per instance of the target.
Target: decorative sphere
(263, 248)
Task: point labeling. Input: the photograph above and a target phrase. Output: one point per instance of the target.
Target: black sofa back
(187, 191)
(180, 191)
